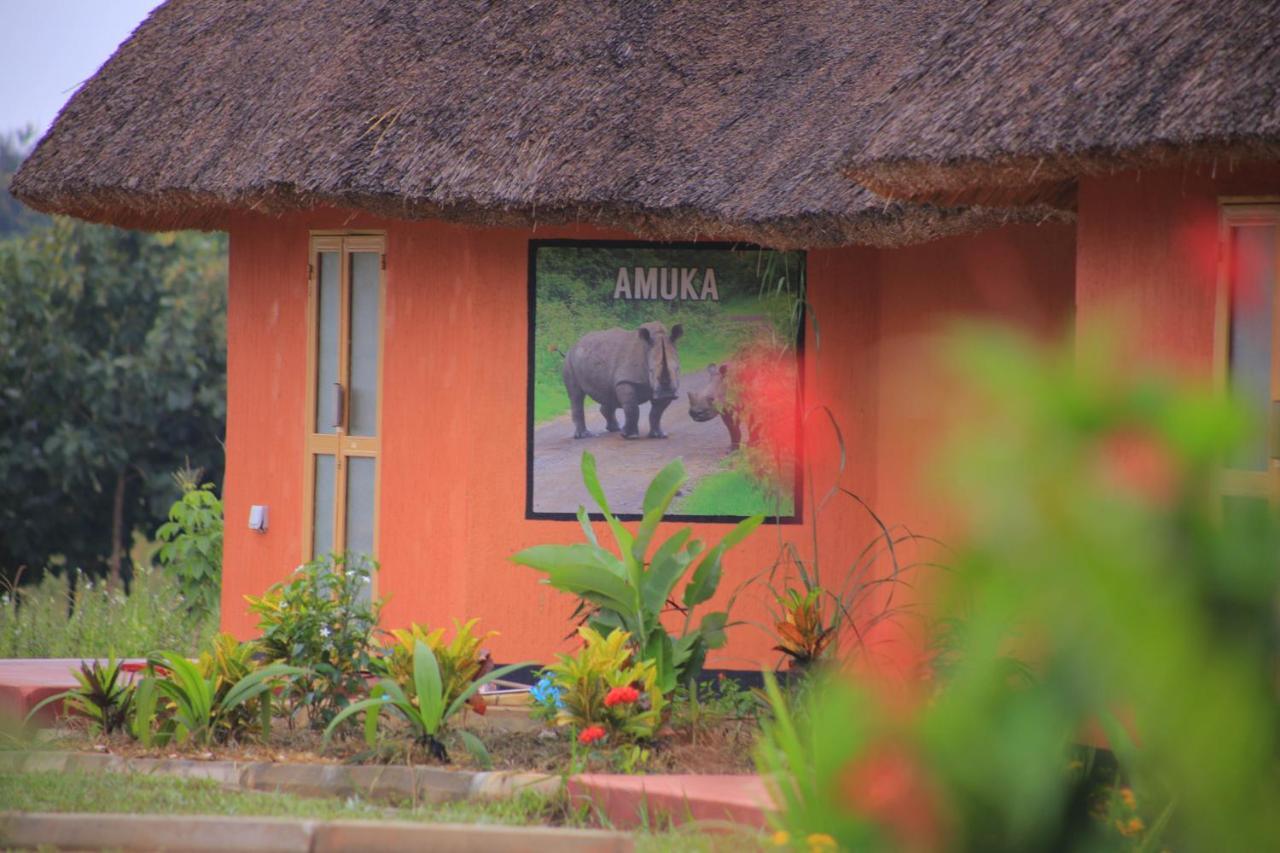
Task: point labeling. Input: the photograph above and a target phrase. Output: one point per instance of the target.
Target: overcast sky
(49, 47)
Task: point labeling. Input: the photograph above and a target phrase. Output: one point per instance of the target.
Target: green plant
(425, 706)
(461, 661)
(203, 708)
(74, 616)
(321, 619)
(104, 696)
(629, 590)
(1094, 541)
(604, 687)
(804, 633)
(192, 543)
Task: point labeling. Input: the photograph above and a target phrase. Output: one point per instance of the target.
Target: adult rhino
(624, 368)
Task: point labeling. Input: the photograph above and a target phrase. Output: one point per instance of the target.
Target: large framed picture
(642, 353)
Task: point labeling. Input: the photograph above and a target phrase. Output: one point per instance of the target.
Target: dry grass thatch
(1027, 94)
(727, 119)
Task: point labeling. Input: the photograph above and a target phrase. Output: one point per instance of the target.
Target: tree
(112, 375)
(15, 217)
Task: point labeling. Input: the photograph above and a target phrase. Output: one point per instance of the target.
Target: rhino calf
(622, 368)
(713, 400)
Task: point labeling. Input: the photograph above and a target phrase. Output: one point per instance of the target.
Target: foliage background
(112, 376)
(574, 295)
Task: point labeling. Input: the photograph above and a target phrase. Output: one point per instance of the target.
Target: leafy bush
(1095, 536)
(103, 696)
(45, 620)
(203, 707)
(461, 661)
(321, 619)
(422, 701)
(192, 545)
(605, 692)
(629, 590)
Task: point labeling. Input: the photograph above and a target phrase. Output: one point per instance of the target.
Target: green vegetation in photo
(733, 491)
(575, 289)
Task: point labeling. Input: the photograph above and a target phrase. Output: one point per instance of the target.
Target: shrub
(102, 695)
(605, 692)
(422, 701)
(629, 590)
(322, 620)
(91, 620)
(201, 706)
(191, 548)
(461, 661)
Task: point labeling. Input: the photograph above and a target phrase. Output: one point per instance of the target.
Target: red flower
(621, 696)
(591, 734)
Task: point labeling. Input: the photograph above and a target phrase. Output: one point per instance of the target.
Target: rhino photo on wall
(646, 352)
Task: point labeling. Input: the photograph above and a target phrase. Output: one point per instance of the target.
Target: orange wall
(1148, 255)
(452, 502)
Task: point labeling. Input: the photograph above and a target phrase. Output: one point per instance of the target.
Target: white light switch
(258, 518)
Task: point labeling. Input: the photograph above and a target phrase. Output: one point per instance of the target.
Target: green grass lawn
(140, 794)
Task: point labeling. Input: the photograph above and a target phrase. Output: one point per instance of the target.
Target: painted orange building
(436, 142)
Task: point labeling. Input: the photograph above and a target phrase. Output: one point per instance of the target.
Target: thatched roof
(1024, 94)
(725, 119)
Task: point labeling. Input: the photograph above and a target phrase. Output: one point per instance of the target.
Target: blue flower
(546, 693)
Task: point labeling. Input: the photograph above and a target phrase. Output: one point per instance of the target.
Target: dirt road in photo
(626, 465)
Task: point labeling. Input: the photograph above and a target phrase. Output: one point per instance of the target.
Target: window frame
(1235, 211)
(339, 444)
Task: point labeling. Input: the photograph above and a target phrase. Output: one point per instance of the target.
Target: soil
(723, 746)
(625, 465)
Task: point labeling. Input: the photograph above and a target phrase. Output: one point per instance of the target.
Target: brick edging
(206, 833)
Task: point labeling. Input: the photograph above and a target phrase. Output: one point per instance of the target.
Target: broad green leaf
(374, 706)
(427, 684)
(255, 683)
(669, 565)
(592, 481)
(706, 577)
(477, 749)
(712, 629)
(587, 530)
(657, 498)
(546, 558)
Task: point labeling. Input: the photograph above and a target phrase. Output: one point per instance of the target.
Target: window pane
(364, 343)
(360, 494)
(1253, 254)
(330, 295)
(322, 512)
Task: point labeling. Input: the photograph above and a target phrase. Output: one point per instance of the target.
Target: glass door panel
(341, 475)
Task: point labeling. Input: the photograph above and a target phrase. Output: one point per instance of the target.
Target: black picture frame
(797, 515)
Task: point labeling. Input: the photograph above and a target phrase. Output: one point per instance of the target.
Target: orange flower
(591, 734)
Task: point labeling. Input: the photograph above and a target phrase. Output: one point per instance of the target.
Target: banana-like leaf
(587, 530)
(662, 490)
(546, 558)
(712, 629)
(592, 481)
(669, 565)
(706, 577)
